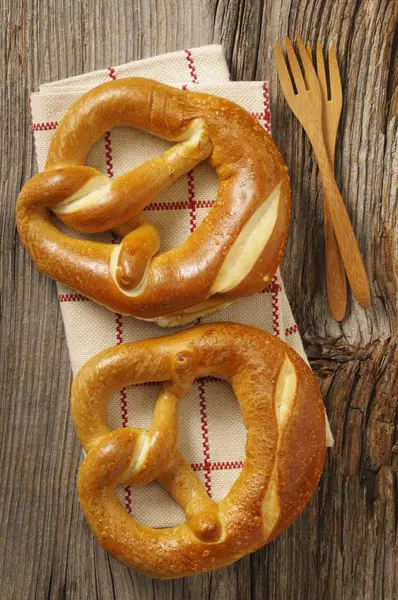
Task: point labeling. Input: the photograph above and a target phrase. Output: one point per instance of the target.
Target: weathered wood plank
(344, 545)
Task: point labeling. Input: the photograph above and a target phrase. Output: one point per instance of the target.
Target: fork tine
(283, 72)
(309, 70)
(334, 76)
(320, 67)
(294, 65)
(309, 50)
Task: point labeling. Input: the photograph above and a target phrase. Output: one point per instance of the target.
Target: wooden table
(343, 546)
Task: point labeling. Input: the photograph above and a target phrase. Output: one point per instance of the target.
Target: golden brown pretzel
(283, 413)
(233, 253)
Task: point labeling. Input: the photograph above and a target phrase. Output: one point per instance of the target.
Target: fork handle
(346, 240)
(335, 273)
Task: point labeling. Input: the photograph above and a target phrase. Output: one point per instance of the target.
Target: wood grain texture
(345, 543)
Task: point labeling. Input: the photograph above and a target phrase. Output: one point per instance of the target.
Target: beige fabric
(211, 433)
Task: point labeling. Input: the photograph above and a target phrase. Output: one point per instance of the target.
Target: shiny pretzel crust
(283, 413)
(233, 253)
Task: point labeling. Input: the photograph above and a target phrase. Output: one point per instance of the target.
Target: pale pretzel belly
(233, 253)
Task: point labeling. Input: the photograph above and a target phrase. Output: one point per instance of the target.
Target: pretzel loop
(233, 253)
(283, 413)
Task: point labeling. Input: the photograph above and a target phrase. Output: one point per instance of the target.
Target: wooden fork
(307, 106)
(331, 111)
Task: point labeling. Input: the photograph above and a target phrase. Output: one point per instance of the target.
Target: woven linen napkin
(211, 430)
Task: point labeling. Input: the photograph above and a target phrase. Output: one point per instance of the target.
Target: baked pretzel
(285, 447)
(233, 253)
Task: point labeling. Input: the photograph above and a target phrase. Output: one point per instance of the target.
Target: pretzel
(234, 252)
(284, 416)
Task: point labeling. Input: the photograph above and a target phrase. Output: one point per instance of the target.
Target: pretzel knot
(233, 253)
(283, 413)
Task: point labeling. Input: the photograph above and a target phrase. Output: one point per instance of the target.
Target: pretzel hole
(135, 402)
(140, 501)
